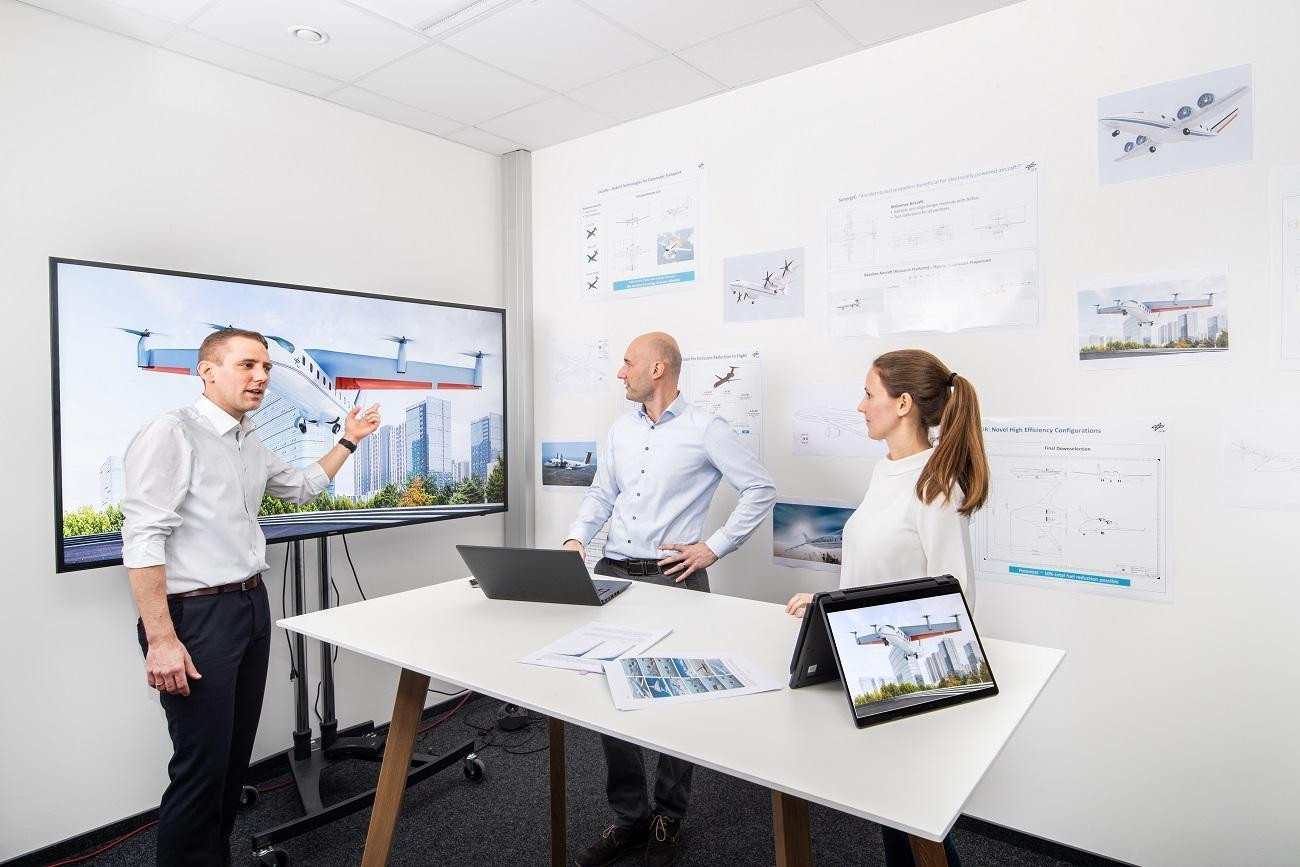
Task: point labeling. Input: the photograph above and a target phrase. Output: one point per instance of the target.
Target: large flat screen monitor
(125, 346)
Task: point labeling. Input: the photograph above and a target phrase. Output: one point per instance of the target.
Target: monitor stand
(309, 758)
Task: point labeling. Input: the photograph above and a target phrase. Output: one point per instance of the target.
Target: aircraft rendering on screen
(849, 305)
(1151, 131)
(907, 638)
(730, 376)
(315, 380)
(1147, 311)
(564, 463)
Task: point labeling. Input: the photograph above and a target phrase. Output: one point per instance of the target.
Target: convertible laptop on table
(899, 649)
(538, 575)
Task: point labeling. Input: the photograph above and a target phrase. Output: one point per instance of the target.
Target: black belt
(637, 567)
(246, 584)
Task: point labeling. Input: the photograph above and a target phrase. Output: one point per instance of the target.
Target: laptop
(899, 649)
(538, 575)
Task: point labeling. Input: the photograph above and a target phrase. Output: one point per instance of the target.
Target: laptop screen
(904, 657)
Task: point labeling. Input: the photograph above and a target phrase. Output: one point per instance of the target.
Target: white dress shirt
(656, 480)
(194, 483)
(894, 536)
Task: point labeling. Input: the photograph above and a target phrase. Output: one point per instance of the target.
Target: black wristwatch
(348, 444)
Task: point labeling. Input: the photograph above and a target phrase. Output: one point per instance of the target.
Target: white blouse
(893, 536)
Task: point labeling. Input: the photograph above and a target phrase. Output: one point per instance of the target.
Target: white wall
(115, 151)
(1166, 737)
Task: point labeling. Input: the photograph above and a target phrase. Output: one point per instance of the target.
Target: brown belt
(246, 584)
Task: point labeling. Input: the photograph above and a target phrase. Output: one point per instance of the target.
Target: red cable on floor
(105, 847)
(448, 715)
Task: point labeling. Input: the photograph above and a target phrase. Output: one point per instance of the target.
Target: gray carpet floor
(503, 820)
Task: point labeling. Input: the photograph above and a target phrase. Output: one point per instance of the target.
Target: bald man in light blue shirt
(654, 484)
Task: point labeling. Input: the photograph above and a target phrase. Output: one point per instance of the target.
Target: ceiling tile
(547, 123)
(175, 11)
(110, 17)
(413, 13)
(449, 84)
(238, 60)
(677, 24)
(484, 141)
(800, 38)
(556, 43)
(874, 21)
(359, 41)
(659, 85)
(378, 106)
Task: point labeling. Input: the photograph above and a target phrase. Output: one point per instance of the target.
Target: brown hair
(958, 457)
(213, 346)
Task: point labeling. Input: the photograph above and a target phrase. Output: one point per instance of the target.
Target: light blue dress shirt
(656, 480)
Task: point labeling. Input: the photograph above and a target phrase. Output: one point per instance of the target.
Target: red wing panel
(183, 371)
(457, 385)
(345, 383)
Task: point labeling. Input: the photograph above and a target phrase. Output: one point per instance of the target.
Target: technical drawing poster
(1078, 504)
(1261, 461)
(946, 254)
(1173, 318)
(763, 285)
(640, 237)
(826, 422)
(1176, 126)
(729, 384)
(582, 365)
(1286, 208)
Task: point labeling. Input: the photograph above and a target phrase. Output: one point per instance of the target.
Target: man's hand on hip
(575, 545)
(169, 668)
(688, 557)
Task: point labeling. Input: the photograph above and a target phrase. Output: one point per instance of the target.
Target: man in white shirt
(194, 553)
(661, 467)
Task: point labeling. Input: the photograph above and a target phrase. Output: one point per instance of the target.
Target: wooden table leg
(559, 833)
(407, 708)
(791, 831)
(927, 853)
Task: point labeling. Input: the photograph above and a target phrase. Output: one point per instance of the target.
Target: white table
(913, 774)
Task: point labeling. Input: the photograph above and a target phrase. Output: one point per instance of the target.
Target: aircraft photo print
(128, 350)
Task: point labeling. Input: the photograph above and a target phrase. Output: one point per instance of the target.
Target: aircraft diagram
(564, 463)
(1101, 526)
(1151, 131)
(730, 376)
(314, 380)
(591, 232)
(1267, 461)
(908, 638)
(1040, 473)
(1047, 521)
(591, 284)
(1146, 312)
(591, 257)
(835, 420)
(1112, 477)
(855, 304)
(631, 220)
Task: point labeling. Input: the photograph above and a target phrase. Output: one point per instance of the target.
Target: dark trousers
(625, 783)
(228, 637)
(898, 849)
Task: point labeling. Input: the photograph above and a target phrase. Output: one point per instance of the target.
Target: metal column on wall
(517, 275)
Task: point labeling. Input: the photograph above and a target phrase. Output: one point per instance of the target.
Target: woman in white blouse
(915, 519)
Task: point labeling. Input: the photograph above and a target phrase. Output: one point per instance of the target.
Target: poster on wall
(1077, 504)
(641, 236)
(1261, 459)
(1285, 196)
(825, 421)
(1172, 318)
(763, 285)
(729, 384)
(582, 365)
(568, 463)
(809, 534)
(943, 254)
(1178, 126)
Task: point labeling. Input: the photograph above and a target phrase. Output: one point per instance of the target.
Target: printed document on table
(637, 682)
(588, 648)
